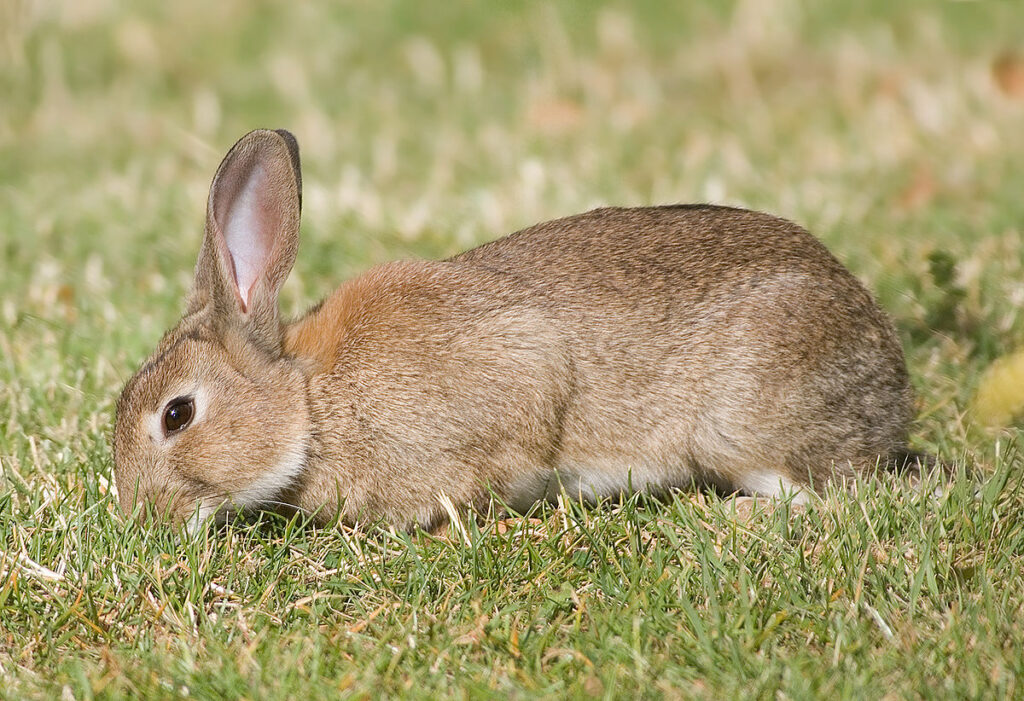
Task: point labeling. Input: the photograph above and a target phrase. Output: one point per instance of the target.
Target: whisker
(299, 509)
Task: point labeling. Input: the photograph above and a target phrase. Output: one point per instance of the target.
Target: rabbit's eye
(178, 414)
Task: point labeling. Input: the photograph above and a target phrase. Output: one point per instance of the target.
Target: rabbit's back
(670, 257)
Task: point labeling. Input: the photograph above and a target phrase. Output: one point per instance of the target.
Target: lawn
(892, 131)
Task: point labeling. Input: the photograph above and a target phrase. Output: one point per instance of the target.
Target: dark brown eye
(178, 414)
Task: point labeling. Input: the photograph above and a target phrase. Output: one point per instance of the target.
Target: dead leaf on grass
(1008, 72)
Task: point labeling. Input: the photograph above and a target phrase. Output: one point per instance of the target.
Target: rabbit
(600, 354)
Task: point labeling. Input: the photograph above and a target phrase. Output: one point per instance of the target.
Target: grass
(893, 132)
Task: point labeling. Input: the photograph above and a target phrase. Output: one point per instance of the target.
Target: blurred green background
(892, 130)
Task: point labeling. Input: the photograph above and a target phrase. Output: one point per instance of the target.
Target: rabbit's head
(216, 418)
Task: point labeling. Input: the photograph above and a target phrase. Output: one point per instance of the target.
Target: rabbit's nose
(129, 493)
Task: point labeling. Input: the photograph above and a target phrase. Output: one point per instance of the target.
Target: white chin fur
(195, 524)
(268, 485)
(264, 488)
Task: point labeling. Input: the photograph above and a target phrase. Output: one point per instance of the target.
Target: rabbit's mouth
(218, 513)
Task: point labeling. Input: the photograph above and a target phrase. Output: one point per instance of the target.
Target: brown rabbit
(617, 350)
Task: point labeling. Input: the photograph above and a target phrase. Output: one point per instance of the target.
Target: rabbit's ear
(252, 232)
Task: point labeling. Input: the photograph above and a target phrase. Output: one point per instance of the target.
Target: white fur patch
(198, 518)
(271, 482)
(772, 484)
(594, 480)
(263, 488)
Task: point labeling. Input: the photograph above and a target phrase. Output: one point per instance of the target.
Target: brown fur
(621, 348)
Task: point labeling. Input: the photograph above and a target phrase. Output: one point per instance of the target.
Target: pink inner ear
(249, 226)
